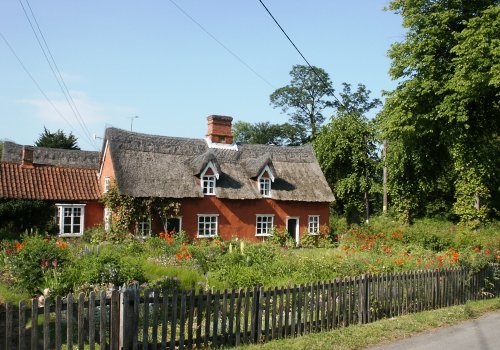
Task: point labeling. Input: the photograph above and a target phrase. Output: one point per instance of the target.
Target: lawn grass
(361, 336)
(10, 295)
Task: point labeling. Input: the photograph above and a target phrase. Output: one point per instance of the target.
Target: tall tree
(57, 139)
(305, 98)
(267, 133)
(435, 130)
(347, 152)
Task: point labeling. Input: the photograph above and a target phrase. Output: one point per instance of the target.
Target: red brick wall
(237, 218)
(107, 169)
(220, 126)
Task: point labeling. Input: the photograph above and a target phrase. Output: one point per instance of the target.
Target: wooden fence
(168, 319)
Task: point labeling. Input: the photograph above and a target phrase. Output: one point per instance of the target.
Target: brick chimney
(219, 129)
(27, 157)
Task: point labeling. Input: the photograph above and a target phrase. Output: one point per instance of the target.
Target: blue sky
(125, 58)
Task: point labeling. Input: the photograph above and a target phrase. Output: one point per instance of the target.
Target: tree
(347, 152)
(304, 98)
(57, 139)
(444, 112)
(267, 133)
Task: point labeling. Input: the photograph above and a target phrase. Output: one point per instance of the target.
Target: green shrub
(35, 261)
(281, 237)
(107, 267)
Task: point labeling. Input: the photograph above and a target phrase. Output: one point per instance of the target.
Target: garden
(37, 264)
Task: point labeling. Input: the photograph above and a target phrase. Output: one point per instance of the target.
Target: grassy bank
(361, 336)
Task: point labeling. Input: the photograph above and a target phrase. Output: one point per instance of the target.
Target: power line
(300, 53)
(221, 44)
(36, 83)
(53, 67)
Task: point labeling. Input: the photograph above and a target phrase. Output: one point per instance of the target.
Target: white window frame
(313, 225)
(60, 219)
(209, 182)
(107, 183)
(264, 183)
(141, 225)
(203, 217)
(173, 217)
(108, 215)
(265, 186)
(263, 219)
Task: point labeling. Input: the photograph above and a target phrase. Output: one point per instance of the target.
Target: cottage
(223, 188)
(67, 178)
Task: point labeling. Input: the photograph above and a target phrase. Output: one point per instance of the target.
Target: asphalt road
(482, 334)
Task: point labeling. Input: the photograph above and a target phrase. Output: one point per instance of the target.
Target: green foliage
(442, 120)
(57, 139)
(321, 239)
(346, 149)
(281, 237)
(304, 98)
(36, 261)
(107, 267)
(18, 215)
(267, 133)
(128, 210)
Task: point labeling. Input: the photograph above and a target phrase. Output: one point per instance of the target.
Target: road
(481, 334)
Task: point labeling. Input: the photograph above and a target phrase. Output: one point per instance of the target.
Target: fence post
(127, 319)
(114, 322)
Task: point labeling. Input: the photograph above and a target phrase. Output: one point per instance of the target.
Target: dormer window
(209, 184)
(209, 179)
(265, 186)
(265, 179)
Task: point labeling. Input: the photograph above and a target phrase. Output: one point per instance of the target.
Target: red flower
(487, 252)
(178, 256)
(477, 249)
(19, 246)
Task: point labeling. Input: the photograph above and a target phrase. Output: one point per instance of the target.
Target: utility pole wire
(300, 53)
(53, 67)
(221, 44)
(36, 83)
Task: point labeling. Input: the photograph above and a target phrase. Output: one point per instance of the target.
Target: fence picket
(237, 340)
(216, 319)
(22, 325)
(199, 318)
(224, 318)
(92, 320)
(173, 320)
(9, 320)
(34, 324)
(280, 313)
(191, 319)
(230, 334)
(102, 320)
(206, 336)
(246, 315)
(182, 321)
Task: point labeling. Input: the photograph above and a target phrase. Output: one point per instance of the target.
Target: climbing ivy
(128, 210)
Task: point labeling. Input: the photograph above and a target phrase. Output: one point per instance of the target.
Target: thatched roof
(12, 152)
(161, 166)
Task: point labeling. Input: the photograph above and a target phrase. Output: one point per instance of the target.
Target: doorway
(292, 226)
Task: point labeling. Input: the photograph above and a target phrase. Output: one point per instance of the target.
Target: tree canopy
(442, 120)
(305, 98)
(267, 133)
(57, 139)
(346, 149)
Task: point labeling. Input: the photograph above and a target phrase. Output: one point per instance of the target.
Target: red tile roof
(48, 183)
